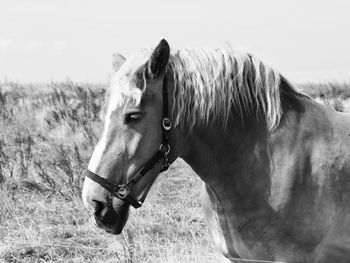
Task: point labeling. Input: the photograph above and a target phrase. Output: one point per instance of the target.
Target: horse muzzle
(111, 217)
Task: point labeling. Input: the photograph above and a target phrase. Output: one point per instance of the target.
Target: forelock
(128, 83)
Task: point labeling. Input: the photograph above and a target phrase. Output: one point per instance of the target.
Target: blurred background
(44, 40)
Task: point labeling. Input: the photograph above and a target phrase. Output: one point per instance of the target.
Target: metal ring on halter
(166, 147)
(123, 191)
(165, 167)
(166, 124)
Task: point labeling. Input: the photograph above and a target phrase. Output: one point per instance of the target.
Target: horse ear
(118, 61)
(159, 59)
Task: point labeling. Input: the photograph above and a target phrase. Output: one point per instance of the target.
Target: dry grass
(334, 94)
(46, 137)
(38, 227)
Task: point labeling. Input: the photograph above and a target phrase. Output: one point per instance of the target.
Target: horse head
(134, 146)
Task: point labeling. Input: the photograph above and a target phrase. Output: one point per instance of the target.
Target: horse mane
(208, 83)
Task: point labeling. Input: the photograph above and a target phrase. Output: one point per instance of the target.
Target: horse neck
(233, 161)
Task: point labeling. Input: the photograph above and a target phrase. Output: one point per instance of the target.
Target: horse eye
(132, 117)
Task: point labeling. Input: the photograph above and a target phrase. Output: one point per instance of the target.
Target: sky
(53, 40)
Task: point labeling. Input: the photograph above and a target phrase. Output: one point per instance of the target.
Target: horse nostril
(100, 209)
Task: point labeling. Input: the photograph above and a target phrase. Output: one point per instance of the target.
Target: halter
(123, 191)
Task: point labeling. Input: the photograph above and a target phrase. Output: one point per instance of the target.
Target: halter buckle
(166, 124)
(123, 191)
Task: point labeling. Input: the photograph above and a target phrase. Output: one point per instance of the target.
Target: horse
(275, 164)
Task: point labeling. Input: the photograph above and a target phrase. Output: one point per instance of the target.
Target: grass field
(47, 133)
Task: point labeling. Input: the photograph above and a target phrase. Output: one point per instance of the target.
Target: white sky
(43, 40)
